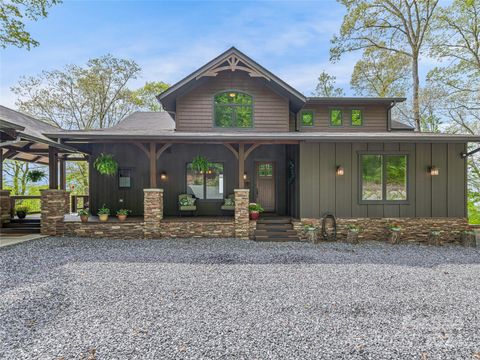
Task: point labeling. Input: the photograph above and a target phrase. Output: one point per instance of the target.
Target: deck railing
(34, 206)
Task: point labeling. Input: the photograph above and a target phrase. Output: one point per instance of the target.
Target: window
(124, 178)
(336, 117)
(383, 177)
(265, 170)
(307, 118)
(357, 117)
(233, 110)
(208, 185)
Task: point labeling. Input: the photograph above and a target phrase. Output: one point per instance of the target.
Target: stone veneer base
(413, 229)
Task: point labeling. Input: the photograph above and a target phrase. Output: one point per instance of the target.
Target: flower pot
(312, 236)
(84, 218)
(103, 217)
(434, 239)
(394, 237)
(254, 215)
(352, 237)
(21, 214)
(122, 217)
(468, 239)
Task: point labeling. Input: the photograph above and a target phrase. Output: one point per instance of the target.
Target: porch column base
(242, 221)
(53, 210)
(5, 205)
(152, 212)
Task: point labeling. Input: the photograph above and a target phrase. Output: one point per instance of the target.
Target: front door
(265, 181)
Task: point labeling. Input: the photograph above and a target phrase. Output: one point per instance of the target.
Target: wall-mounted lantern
(244, 176)
(340, 171)
(433, 170)
(163, 176)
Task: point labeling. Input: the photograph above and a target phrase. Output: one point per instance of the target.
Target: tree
(146, 96)
(326, 86)
(90, 97)
(397, 26)
(457, 43)
(12, 20)
(380, 73)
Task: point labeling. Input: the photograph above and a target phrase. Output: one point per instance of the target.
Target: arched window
(233, 109)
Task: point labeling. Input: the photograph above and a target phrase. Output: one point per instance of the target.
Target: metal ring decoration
(325, 235)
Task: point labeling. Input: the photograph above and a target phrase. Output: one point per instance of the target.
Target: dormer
(232, 93)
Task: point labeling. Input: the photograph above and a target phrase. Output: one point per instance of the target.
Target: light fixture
(244, 176)
(433, 170)
(340, 171)
(163, 175)
(232, 94)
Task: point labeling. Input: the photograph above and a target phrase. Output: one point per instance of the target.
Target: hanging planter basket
(105, 164)
(201, 164)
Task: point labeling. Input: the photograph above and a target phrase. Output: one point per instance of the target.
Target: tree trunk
(416, 85)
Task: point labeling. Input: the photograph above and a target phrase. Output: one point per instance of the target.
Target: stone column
(67, 202)
(53, 211)
(242, 226)
(152, 212)
(4, 207)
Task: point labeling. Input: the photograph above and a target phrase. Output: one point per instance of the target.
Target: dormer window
(233, 109)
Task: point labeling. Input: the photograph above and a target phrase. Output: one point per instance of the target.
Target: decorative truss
(234, 63)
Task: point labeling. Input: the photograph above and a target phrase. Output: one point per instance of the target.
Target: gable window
(307, 118)
(357, 117)
(233, 110)
(335, 117)
(205, 185)
(383, 177)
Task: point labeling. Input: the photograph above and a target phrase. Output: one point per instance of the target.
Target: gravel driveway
(66, 298)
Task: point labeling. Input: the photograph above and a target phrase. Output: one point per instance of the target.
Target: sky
(170, 39)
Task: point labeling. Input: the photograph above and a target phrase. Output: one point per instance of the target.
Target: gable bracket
(233, 65)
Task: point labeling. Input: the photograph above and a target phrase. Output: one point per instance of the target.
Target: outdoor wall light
(340, 171)
(244, 176)
(163, 175)
(433, 170)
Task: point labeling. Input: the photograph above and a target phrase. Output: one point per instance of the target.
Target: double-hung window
(383, 178)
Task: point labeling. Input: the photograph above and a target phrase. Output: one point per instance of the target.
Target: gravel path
(66, 298)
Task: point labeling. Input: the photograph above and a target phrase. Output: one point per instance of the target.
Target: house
(300, 157)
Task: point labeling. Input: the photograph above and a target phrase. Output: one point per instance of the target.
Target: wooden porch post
(241, 165)
(153, 165)
(52, 168)
(1, 169)
(63, 174)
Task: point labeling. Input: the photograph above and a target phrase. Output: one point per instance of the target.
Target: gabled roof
(232, 60)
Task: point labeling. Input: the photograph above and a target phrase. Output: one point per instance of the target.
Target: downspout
(389, 116)
(11, 142)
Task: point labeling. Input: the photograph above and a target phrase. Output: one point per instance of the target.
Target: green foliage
(22, 208)
(12, 21)
(103, 210)
(35, 175)
(201, 164)
(255, 207)
(105, 164)
(336, 117)
(474, 208)
(357, 118)
(326, 86)
(83, 212)
(146, 96)
(354, 228)
(123, 212)
(307, 118)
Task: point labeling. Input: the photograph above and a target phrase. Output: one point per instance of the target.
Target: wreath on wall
(105, 164)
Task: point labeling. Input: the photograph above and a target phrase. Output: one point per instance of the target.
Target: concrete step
(280, 220)
(274, 226)
(276, 232)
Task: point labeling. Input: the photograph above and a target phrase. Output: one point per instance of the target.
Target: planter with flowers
(103, 213)
(255, 209)
(84, 214)
(122, 214)
(434, 237)
(394, 234)
(311, 232)
(21, 211)
(352, 233)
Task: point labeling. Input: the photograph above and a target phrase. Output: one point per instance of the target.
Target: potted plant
(352, 233)
(35, 175)
(103, 213)
(468, 238)
(122, 214)
(105, 164)
(311, 232)
(254, 210)
(84, 214)
(201, 164)
(394, 233)
(434, 237)
(21, 211)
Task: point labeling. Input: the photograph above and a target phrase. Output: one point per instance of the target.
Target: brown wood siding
(194, 110)
(374, 118)
(322, 191)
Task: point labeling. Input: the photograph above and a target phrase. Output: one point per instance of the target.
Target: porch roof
(170, 135)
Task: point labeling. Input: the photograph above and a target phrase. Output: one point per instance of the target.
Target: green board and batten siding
(321, 190)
